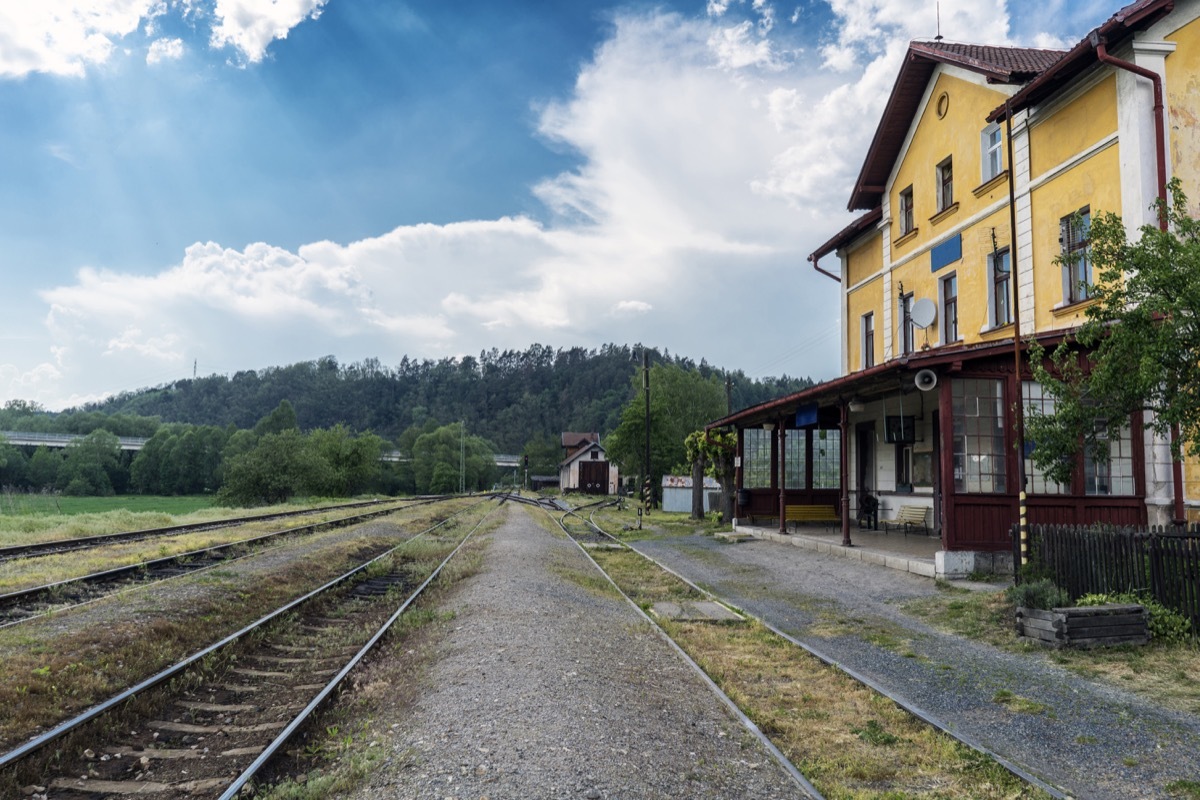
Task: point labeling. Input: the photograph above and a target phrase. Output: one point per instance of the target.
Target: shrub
(1038, 594)
(1166, 625)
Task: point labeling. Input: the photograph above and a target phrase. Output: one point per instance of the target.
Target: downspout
(824, 272)
(1019, 405)
(1160, 151)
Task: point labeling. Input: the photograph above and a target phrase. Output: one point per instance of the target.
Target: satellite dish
(924, 312)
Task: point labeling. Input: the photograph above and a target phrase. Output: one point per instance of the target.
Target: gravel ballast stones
(549, 685)
(1089, 738)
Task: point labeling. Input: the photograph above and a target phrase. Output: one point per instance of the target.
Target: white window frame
(1072, 292)
(991, 151)
(945, 188)
(992, 323)
(907, 214)
(943, 315)
(867, 347)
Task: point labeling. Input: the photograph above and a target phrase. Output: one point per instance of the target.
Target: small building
(586, 467)
(677, 493)
(539, 482)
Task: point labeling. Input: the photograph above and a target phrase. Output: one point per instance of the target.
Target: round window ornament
(943, 105)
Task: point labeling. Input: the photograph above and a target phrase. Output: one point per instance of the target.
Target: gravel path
(547, 689)
(1093, 741)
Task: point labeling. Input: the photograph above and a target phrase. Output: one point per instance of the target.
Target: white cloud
(251, 25)
(66, 37)
(707, 171)
(63, 37)
(627, 307)
(164, 50)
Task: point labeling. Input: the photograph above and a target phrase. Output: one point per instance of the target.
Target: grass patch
(47, 675)
(13, 504)
(1167, 674)
(1017, 703)
(846, 739)
(1185, 789)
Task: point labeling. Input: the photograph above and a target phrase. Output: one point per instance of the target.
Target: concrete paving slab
(695, 611)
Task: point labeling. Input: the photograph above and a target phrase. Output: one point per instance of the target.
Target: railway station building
(976, 195)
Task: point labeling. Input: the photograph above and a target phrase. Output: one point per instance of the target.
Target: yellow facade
(950, 126)
(1183, 100)
(1094, 183)
(1072, 129)
(866, 299)
(864, 260)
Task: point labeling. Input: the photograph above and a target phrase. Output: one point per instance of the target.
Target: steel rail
(51, 547)
(899, 700)
(333, 684)
(112, 575)
(38, 742)
(797, 777)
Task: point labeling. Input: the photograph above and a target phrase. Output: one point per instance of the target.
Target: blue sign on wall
(945, 253)
(806, 415)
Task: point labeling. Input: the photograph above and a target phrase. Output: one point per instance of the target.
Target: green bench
(810, 514)
(908, 517)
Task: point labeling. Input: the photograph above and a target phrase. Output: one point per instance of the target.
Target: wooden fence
(1164, 563)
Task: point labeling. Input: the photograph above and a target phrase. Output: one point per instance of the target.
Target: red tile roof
(1118, 27)
(1009, 65)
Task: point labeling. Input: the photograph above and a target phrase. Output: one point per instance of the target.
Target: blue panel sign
(806, 415)
(945, 253)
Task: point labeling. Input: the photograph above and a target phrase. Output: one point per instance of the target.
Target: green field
(25, 504)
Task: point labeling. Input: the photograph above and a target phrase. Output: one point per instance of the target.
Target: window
(794, 451)
(904, 454)
(977, 406)
(907, 329)
(756, 458)
(827, 459)
(945, 184)
(950, 308)
(868, 340)
(1112, 472)
(1036, 399)
(999, 266)
(991, 153)
(1076, 261)
(906, 211)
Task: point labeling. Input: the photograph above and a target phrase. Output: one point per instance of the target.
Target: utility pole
(462, 461)
(647, 489)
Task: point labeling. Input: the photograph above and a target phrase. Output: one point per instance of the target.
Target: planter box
(1091, 626)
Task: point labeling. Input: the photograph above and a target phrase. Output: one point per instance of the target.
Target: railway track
(875, 686)
(209, 725)
(59, 546)
(20, 606)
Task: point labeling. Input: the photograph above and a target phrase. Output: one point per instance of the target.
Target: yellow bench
(810, 514)
(908, 517)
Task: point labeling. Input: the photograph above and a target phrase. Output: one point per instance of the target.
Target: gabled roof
(573, 440)
(1007, 65)
(582, 450)
(1116, 29)
(847, 234)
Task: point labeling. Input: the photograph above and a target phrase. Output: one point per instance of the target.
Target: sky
(207, 186)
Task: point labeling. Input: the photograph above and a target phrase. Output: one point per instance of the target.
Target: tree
(681, 401)
(715, 451)
(43, 467)
(353, 461)
(283, 418)
(90, 465)
(1139, 348)
(442, 452)
(281, 466)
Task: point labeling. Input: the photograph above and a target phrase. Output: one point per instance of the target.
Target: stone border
(917, 566)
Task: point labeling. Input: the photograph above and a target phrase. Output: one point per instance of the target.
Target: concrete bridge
(24, 439)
